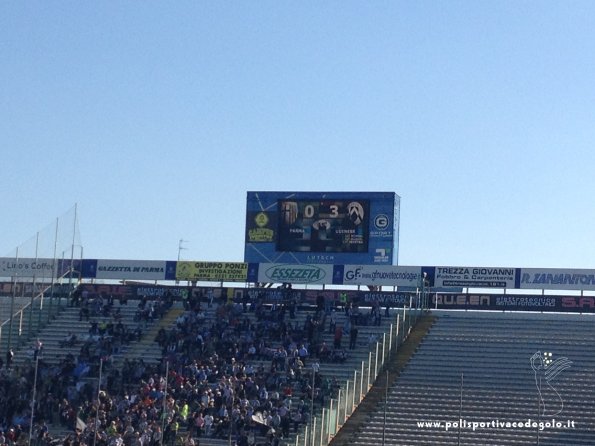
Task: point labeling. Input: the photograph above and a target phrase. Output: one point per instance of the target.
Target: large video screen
(341, 228)
(323, 225)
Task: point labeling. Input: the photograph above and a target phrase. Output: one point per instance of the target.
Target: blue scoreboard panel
(322, 227)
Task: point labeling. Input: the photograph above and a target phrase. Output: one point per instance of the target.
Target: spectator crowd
(250, 374)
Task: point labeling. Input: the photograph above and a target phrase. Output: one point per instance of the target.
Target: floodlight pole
(54, 279)
(460, 411)
(538, 416)
(98, 404)
(312, 404)
(71, 269)
(180, 247)
(33, 400)
(33, 287)
(164, 403)
(12, 298)
(385, 410)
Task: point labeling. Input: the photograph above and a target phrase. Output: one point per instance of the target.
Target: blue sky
(156, 118)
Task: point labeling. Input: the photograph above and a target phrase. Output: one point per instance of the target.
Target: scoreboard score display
(322, 227)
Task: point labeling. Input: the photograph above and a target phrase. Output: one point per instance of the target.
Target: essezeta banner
(295, 273)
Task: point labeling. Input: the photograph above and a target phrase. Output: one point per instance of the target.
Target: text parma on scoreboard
(322, 227)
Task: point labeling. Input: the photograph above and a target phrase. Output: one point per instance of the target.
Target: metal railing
(334, 415)
(25, 322)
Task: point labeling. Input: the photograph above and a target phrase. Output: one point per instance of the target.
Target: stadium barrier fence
(335, 414)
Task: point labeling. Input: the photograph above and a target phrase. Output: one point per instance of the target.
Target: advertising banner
(8, 289)
(409, 276)
(26, 267)
(66, 266)
(135, 291)
(295, 273)
(269, 295)
(557, 279)
(327, 297)
(399, 300)
(446, 301)
(212, 271)
(128, 269)
(474, 277)
(514, 302)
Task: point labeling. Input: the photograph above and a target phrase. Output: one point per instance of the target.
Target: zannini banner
(557, 279)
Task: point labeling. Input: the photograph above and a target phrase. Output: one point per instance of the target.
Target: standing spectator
(210, 296)
(171, 431)
(338, 336)
(136, 440)
(37, 349)
(156, 436)
(197, 424)
(346, 326)
(209, 420)
(353, 337)
(332, 322)
(303, 353)
(378, 318)
(9, 358)
(320, 302)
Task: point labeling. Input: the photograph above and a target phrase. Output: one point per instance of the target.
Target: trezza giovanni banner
(474, 277)
(514, 302)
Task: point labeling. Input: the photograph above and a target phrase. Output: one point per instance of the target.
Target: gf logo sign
(353, 274)
(381, 221)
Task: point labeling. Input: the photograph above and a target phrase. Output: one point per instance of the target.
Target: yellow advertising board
(212, 271)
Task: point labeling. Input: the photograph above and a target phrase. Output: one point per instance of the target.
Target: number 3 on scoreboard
(334, 210)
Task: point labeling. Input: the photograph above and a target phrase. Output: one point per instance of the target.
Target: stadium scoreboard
(313, 227)
(322, 226)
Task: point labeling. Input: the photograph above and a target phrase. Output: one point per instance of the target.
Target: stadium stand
(206, 353)
(495, 369)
